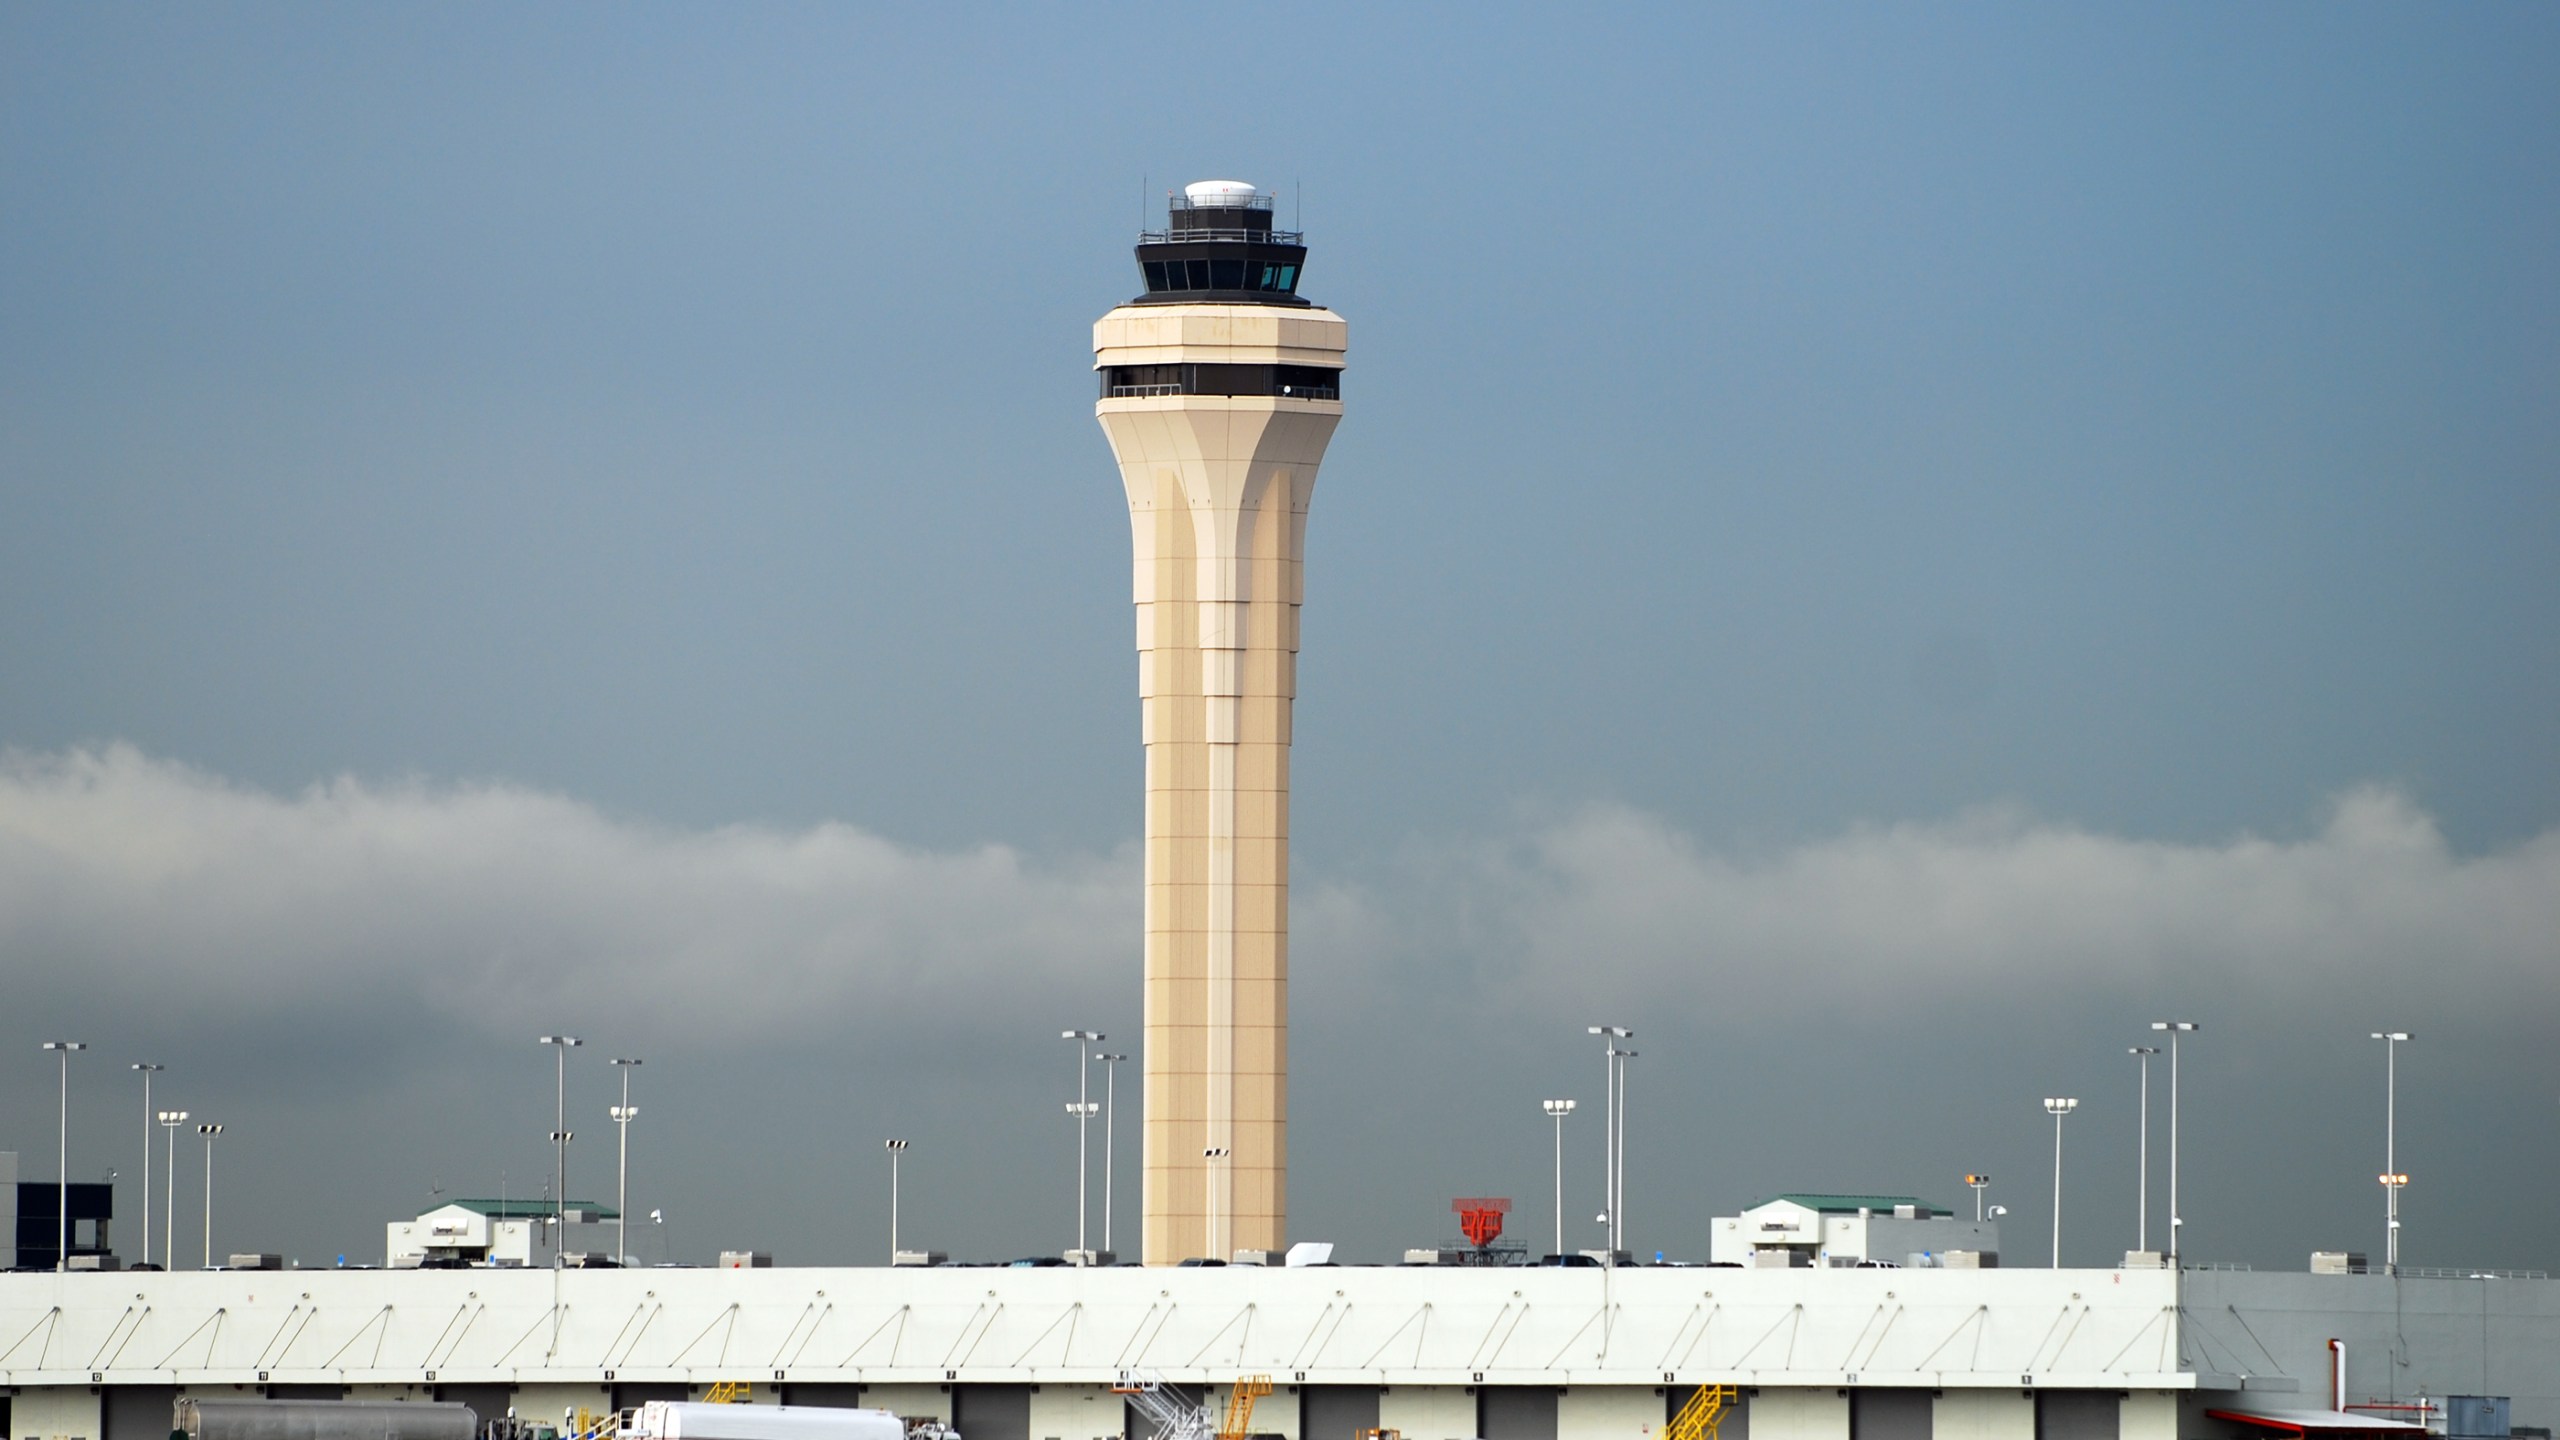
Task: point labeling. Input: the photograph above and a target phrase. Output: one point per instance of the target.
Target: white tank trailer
(321, 1420)
(696, 1420)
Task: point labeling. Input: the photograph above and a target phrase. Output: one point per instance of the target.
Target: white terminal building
(1846, 1230)
(1829, 1317)
(1430, 1352)
(500, 1232)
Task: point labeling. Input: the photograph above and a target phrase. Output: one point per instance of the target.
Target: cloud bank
(483, 904)
(1982, 909)
(122, 873)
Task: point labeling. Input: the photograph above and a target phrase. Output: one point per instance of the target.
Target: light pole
(2392, 1179)
(1110, 1098)
(62, 1158)
(2142, 1167)
(2174, 1029)
(2058, 1108)
(1083, 1110)
(1556, 1111)
(1216, 1155)
(170, 1120)
(1609, 1035)
(1618, 1211)
(1979, 1183)
(560, 1045)
(146, 1071)
(895, 1148)
(208, 1132)
(623, 1115)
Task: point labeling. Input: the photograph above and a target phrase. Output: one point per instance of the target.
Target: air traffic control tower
(1220, 389)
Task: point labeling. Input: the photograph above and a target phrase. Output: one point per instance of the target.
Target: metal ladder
(1240, 1406)
(1165, 1410)
(1700, 1418)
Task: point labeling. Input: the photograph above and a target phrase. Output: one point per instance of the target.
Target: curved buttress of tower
(1218, 400)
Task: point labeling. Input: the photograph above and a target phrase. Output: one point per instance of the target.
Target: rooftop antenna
(1301, 225)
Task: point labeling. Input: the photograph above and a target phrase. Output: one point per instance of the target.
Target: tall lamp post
(1618, 1211)
(1084, 1110)
(62, 1158)
(1556, 1111)
(2392, 1179)
(623, 1114)
(895, 1148)
(146, 1071)
(1979, 1183)
(170, 1120)
(208, 1132)
(1110, 1100)
(560, 1045)
(2177, 1220)
(2142, 1166)
(2058, 1108)
(1610, 1035)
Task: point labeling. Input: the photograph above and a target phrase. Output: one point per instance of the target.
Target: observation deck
(1218, 247)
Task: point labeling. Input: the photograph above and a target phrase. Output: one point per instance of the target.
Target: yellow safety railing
(727, 1392)
(1701, 1417)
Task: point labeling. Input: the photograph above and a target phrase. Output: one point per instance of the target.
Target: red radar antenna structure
(1480, 1219)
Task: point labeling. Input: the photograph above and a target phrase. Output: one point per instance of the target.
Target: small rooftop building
(1835, 1230)
(497, 1232)
(30, 1224)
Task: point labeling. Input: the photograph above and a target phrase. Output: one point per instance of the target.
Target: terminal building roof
(1852, 1204)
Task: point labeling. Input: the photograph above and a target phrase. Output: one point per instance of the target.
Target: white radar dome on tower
(1219, 192)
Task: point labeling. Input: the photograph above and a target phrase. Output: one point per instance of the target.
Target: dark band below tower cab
(1293, 382)
(1220, 250)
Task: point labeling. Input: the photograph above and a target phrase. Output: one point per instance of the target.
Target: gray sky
(1886, 549)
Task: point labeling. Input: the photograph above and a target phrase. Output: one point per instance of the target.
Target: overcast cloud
(135, 892)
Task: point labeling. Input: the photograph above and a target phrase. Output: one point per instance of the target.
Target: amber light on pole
(2392, 1180)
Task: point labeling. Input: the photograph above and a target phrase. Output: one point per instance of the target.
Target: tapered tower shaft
(1220, 389)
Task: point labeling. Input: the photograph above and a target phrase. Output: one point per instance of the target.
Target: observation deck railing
(1176, 237)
